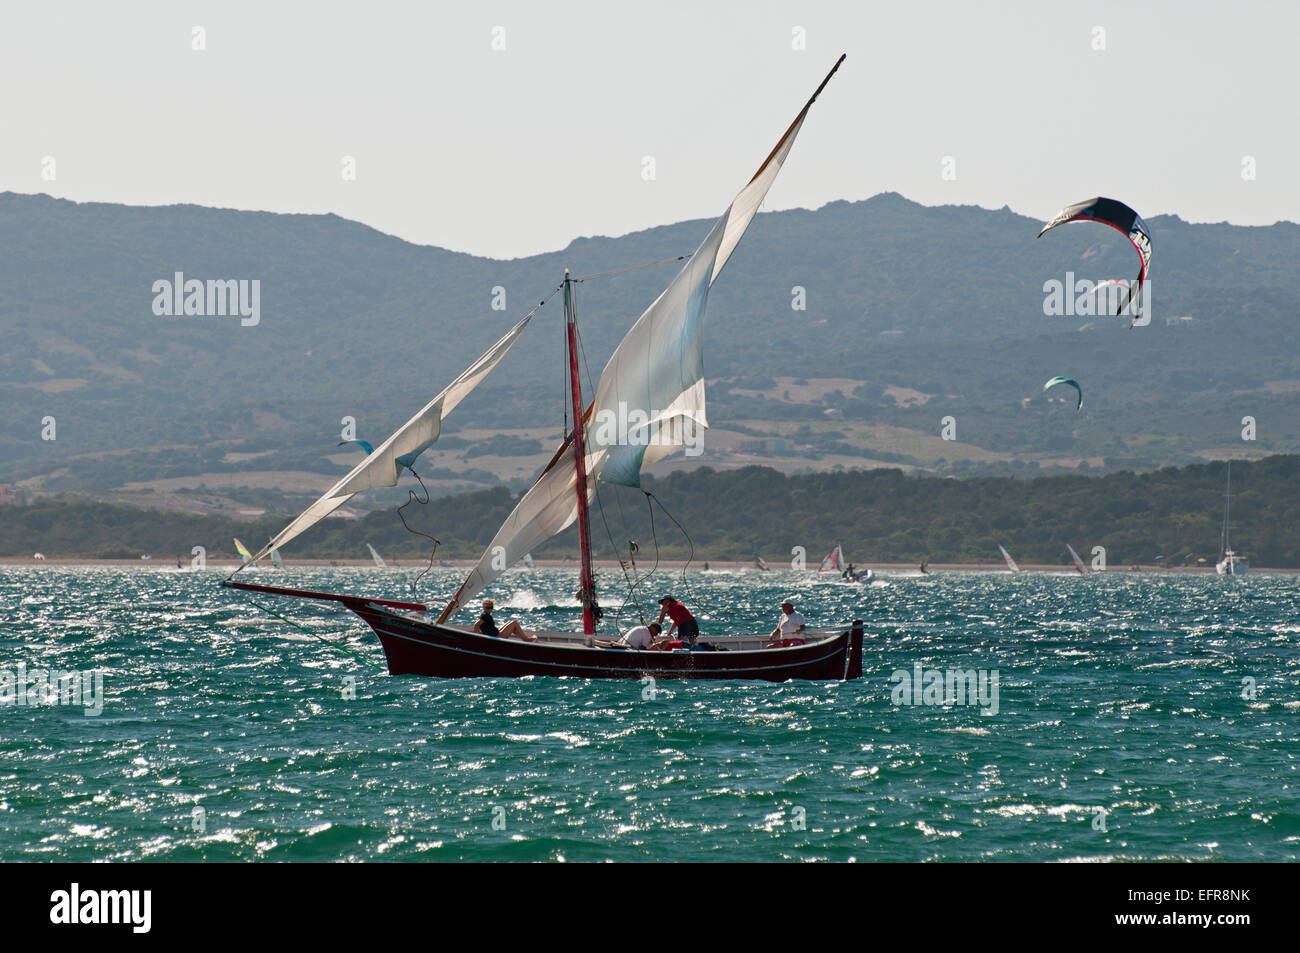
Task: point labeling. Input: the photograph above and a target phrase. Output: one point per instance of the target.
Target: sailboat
(1229, 564)
(1078, 563)
(374, 554)
(1011, 563)
(759, 562)
(648, 402)
(834, 562)
(276, 561)
(248, 560)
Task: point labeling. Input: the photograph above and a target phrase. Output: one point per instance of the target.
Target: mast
(1227, 510)
(587, 585)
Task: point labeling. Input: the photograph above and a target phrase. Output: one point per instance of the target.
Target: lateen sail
(834, 561)
(650, 397)
(384, 466)
(1011, 563)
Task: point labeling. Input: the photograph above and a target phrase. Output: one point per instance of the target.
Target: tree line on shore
(881, 515)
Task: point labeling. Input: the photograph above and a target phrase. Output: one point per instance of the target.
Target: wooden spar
(803, 112)
(587, 584)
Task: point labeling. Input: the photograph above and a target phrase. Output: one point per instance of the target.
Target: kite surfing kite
(1121, 218)
(1073, 383)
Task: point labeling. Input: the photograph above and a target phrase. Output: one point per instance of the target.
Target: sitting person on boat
(684, 624)
(486, 625)
(790, 630)
(637, 637)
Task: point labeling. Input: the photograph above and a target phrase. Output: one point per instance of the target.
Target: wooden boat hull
(415, 647)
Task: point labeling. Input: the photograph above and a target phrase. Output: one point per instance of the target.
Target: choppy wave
(1138, 717)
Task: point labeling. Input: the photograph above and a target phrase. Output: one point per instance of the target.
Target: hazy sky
(517, 151)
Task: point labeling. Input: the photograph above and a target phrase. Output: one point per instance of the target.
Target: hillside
(913, 314)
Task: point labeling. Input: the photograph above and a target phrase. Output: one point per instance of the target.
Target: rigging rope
(691, 558)
(412, 498)
(623, 271)
(333, 645)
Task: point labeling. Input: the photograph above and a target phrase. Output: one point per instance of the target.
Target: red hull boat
(414, 646)
(657, 364)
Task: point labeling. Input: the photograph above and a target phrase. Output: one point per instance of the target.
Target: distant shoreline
(229, 565)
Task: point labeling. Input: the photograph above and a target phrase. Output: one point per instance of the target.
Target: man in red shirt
(684, 624)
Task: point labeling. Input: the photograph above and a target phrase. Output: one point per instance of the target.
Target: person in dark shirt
(486, 625)
(684, 624)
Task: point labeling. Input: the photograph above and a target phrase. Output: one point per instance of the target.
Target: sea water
(1137, 716)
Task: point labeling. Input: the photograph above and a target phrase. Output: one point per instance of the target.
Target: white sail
(1011, 563)
(374, 554)
(276, 561)
(384, 466)
(650, 397)
(834, 561)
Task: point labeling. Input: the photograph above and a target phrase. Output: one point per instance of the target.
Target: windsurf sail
(758, 560)
(528, 561)
(374, 554)
(1070, 383)
(649, 400)
(1011, 563)
(1078, 563)
(1121, 218)
(244, 554)
(834, 561)
(276, 561)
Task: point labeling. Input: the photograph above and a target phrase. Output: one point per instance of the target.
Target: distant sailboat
(758, 560)
(1230, 564)
(834, 561)
(1078, 563)
(245, 555)
(1011, 563)
(528, 561)
(276, 561)
(374, 554)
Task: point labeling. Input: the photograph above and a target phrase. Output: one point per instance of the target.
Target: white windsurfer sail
(1078, 563)
(399, 451)
(1229, 564)
(1011, 563)
(276, 561)
(650, 397)
(834, 561)
(374, 554)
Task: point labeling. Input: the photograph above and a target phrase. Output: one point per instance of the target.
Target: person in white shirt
(790, 630)
(637, 637)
